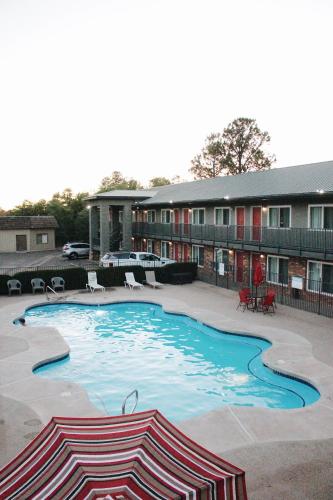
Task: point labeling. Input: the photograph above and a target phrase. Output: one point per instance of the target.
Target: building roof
(28, 222)
(125, 193)
(297, 180)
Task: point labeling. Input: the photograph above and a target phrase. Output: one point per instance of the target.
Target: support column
(104, 220)
(127, 226)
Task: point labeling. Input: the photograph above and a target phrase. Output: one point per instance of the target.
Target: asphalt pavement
(52, 258)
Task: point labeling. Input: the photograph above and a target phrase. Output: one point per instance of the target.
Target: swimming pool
(178, 365)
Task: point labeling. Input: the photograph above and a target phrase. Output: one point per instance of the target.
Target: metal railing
(297, 239)
(313, 295)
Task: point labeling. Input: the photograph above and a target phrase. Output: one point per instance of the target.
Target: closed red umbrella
(258, 275)
(138, 456)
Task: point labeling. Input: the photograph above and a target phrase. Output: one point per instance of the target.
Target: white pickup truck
(145, 259)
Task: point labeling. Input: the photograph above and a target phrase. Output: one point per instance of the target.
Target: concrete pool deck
(284, 452)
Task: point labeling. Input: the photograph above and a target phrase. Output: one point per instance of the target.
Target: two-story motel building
(282, 218)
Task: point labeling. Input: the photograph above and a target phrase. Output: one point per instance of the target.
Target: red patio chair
(245, 299)
(272, 293)
(266, 304)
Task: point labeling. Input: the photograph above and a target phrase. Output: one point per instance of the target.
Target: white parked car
(145, 259)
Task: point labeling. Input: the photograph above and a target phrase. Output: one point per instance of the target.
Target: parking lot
(52, 258)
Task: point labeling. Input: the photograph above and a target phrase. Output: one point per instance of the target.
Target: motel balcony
(304, 242)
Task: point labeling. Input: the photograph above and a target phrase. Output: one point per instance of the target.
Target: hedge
(76, 277)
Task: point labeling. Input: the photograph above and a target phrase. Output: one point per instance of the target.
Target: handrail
(123, 408)
(296, 238)
(47, 295)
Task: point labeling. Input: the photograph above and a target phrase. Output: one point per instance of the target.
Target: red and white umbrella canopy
(138, 456)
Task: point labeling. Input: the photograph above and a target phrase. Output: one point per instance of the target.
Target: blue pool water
(178, 365)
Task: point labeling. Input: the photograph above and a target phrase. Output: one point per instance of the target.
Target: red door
(240, 221)
(186, 253)
(186, 220)
(256, 223)
(176, 219)
(176, 248)
(241, 264)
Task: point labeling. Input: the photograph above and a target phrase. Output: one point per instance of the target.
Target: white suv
(145, 259)
(75, 250)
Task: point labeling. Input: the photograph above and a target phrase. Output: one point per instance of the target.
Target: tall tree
(239, 149)
(159, 181)
(209, 163)
(117, 181)
(243, 147)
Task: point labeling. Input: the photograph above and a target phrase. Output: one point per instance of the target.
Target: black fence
(310, 295)
(88, 266)
(300, 293)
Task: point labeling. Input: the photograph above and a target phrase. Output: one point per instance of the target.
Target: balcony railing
(298, 239)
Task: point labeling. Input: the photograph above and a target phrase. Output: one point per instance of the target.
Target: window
(221, 256)
(42, 238)
(198, 216)
(150, 246)
(165, 249)
(320, 277)
(277, 270)
(222, 216)
(279, 217)
(166, 216)
(321, 217)
(151, 216)
(198, 255)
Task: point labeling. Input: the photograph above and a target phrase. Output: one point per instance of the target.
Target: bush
(3, 283)
(76, 277)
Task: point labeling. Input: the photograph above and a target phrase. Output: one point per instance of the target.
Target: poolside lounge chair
(14, 286)
(58, 283)
(151, 280)
(130, 281)
(92, 284)
(37, 284)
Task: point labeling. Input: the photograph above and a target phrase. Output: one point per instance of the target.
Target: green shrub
(75, 278)
(3, 283)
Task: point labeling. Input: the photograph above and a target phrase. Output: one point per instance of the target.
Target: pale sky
(92, 86)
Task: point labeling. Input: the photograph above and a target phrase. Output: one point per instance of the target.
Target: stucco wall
(50, 245)
(8, 239)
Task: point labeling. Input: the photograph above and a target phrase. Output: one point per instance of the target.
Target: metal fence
(308, 297)
(10, 271)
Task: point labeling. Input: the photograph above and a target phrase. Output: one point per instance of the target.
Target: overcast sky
(92, 86)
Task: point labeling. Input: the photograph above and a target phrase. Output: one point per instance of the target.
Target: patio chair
(37, 284)
(130, 281)
(266, 304)
(245, 299)
(151, 280)
(58, 283)
(92, 284)
(272, 292)
(14, 286)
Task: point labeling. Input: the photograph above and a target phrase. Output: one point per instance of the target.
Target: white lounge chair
(151, 280)
(130, 281)
(92, 284)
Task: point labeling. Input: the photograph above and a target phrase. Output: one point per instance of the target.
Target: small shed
(27, 233)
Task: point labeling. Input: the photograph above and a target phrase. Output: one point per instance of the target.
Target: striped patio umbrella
(137, 456)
